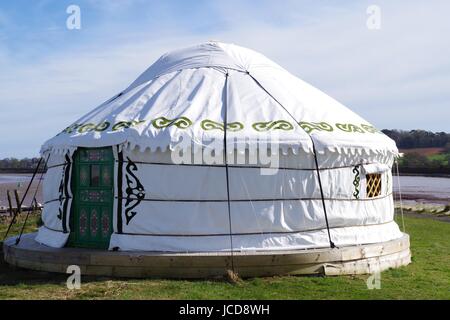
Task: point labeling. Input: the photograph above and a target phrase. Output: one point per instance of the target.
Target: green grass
(440, 157)
(421, 159)
(427, 277)
(31, 225)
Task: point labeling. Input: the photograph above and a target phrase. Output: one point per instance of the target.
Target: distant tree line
(13, 165)
(419, 139)
(416, 162)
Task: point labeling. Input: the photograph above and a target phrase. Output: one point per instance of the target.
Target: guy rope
(13, 220)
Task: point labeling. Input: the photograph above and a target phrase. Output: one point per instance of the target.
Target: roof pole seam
(332, 245)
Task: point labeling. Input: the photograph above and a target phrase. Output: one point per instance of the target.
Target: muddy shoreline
(21, 187)
(422, 198)
(429, 175)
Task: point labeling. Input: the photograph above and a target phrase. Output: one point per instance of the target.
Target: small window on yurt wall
(373, 185)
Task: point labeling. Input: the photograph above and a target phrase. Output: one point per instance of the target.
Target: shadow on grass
(11, 276)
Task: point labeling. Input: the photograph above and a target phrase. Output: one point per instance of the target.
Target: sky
(396, 76)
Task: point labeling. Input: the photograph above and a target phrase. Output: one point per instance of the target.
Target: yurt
(215, 159)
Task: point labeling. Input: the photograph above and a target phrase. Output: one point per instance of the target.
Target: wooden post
(16, 195)
(11, 211)
(36, 206)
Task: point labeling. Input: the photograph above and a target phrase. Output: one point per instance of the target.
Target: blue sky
(395, 77)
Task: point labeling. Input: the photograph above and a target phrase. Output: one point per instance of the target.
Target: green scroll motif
(71, 128)
(180, 123)
(370, 129)
(273, 125)
(86, 127)
(126, 124)
(213, 125)
(207, 124)
(102, 126)
(348, 127)
(356, 182)
(311, 126)
(93, 127)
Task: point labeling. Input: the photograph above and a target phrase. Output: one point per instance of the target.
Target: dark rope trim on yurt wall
(67, 185)
(57, 165)
(225, 123)
(119, 190)
(257, 200)
(235, 166)
(332, 245)
(249, 200)
(249, 233)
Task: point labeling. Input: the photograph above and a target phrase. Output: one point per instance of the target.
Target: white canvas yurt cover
(332, 184)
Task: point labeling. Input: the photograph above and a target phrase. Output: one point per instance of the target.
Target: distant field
(423, 151)
(427, 277)
(425, 161)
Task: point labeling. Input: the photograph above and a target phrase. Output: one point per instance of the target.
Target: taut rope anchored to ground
(23, 198)
(332, 245)
(33, 200)
(225, 123)
(400, 195)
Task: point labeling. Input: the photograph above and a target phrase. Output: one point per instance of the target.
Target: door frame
(74, 238)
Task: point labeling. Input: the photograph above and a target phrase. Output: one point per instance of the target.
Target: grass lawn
(428, 277)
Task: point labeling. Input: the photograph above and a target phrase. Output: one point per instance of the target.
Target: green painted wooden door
(92, 207)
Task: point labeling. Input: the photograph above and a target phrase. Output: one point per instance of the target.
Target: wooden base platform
(360, 259)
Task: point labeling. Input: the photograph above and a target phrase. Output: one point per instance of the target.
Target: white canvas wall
(57, 201)
(185, 207)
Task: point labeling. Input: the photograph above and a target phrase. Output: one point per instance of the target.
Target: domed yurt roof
(114, 180)
(194, 91)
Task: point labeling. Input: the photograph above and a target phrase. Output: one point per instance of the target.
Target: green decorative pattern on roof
(126, 124)
(207, 125)
(348, 127)
(102, 126)
(311, 126)
(370, 129)
(181, 122)
(273, 125)
(213, 125)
